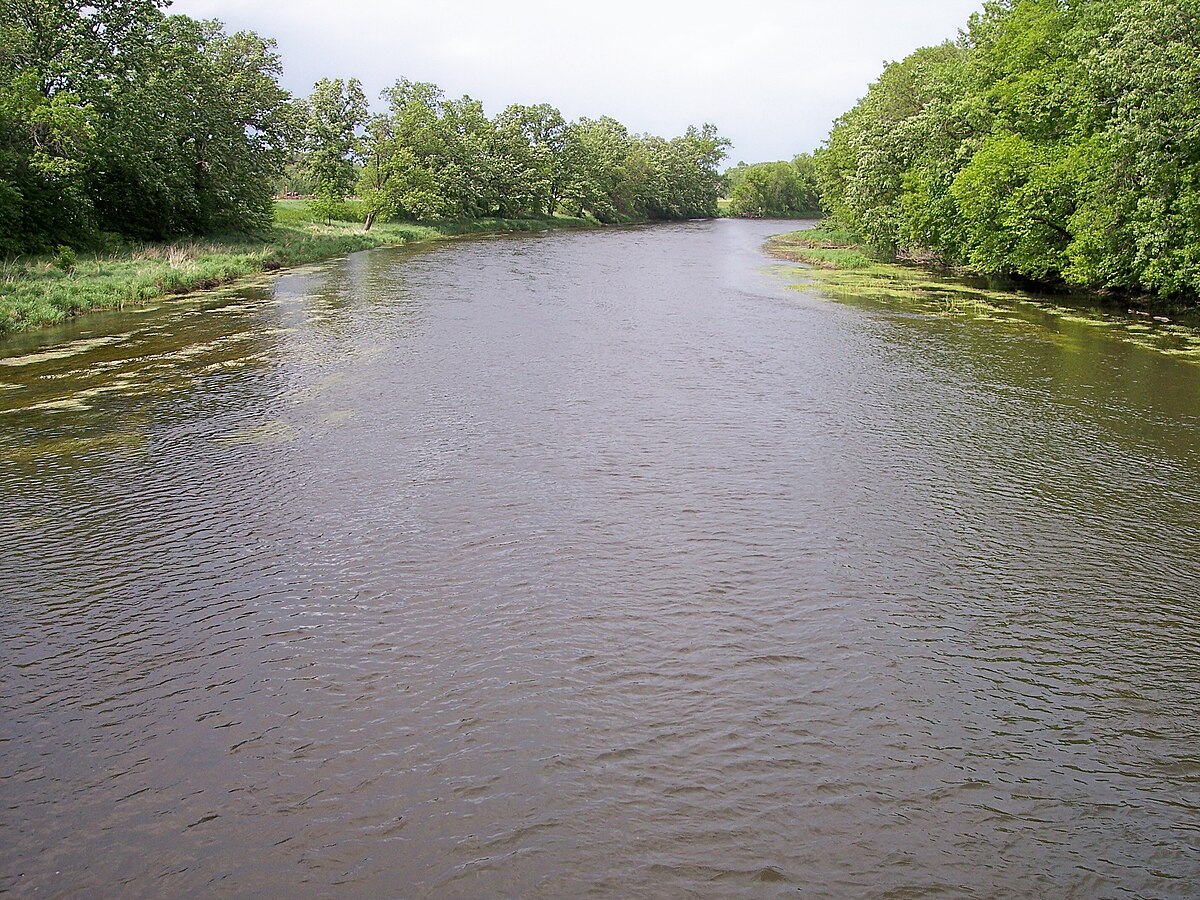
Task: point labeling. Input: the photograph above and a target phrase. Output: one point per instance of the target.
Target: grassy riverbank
(849, 272)
(40, 291)
(823, 247)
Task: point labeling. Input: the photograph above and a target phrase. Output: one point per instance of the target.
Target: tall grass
(826, 247)
(39, 291)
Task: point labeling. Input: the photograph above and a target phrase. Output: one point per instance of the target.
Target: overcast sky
(771, 74)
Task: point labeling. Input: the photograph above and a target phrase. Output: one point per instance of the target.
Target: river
(594, 563)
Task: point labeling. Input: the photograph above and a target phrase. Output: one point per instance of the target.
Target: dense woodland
(1055, 140)
(116, 118)
(429, 157)
(774, 189)
(120, 121)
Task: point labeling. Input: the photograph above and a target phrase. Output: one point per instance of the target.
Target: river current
(594, 563)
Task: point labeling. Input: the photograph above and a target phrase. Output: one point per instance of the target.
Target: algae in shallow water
(63, 352)
(86, 447)
(896, 286)
(67, 403)
(266, 434)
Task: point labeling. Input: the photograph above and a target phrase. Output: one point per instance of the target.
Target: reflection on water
(595, 563)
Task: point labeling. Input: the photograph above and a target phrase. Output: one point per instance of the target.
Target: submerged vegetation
(852, 273)
(1056, 141)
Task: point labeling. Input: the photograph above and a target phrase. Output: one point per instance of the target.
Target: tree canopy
(333, 114)
(1055, 140)
(430, 157)
(774, 189)
(115, 117)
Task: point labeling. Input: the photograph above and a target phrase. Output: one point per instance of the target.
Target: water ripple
(594, 564)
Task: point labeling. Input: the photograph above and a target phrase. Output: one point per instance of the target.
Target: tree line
(430, 157)
(120, 120)
(774, 189)
(1055, 140)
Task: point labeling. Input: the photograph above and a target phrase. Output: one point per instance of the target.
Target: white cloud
(771, 74)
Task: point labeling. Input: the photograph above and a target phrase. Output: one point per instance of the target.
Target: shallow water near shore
(595, 563)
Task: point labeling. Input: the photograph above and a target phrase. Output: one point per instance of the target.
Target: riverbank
(829, 248)
(40, 291)
(822, 247)
(847, 271)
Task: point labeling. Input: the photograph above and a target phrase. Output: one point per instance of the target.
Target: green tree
(780, 189)
(1056, 140)
(335, 112)
(537, 142)
(121, 118)
(378, 167)
(431, 158)
(602, 186)
(1144, 72)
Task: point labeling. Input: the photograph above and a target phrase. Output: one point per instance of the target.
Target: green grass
(507, 226)
(40, 291)
(823, 247)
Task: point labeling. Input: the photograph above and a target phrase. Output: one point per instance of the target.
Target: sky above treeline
(772, 75)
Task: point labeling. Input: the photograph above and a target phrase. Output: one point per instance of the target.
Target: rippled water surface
(594, 563)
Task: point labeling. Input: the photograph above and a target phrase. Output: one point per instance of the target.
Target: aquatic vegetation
(81, 446)
(66, 350)
(839, 272)
(266, 434)
(821, 248)
(67, 403)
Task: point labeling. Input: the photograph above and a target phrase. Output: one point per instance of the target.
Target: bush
(67, 258)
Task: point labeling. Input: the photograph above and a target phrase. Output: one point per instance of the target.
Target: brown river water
(594, 564)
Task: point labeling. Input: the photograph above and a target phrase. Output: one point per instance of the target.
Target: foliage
(115, 117)
(1056, 140)
(334, 112)
(430, 158)
(119, 122)
(66, 259)
(774, 189)
(119, 119)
